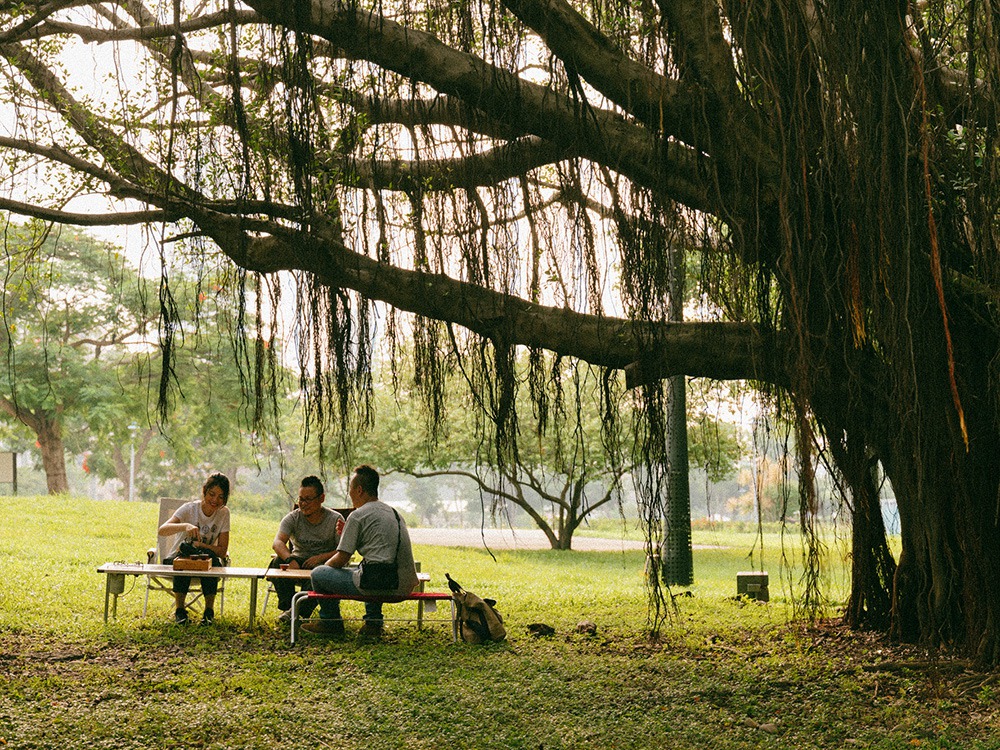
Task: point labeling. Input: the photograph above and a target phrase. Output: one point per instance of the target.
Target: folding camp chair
(155, 556)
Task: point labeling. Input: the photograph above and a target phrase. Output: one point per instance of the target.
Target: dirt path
(516, 539)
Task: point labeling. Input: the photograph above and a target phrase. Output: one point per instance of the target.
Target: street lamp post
(131, 464)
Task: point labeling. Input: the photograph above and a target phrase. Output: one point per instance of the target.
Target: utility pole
(677, 563)
(131, 463)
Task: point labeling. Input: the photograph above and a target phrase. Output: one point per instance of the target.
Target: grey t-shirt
(372, 531)
(310, 539)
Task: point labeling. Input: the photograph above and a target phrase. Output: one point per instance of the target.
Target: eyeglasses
(308, 499)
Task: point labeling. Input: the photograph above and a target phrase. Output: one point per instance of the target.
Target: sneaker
(208, 618)
(285, 617)
(370, 630)
(181, 616)
(325, 627)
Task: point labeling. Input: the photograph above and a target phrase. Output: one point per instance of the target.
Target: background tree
(560, 478)
(82, 369)
(72, 314)
(518, 169)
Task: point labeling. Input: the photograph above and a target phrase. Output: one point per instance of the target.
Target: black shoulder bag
(382, 576)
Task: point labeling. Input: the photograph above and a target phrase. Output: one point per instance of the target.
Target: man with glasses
(306, 538)
(378, 533)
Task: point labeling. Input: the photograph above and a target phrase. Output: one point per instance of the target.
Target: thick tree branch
(600, 136)
(698, 26)
(30, 420)
(92, 34)
(85, 219)
(28, 25)
(715, 350)
(60, 155)
(488, 168)
(707, 56)
(441, 110)
(654, 99)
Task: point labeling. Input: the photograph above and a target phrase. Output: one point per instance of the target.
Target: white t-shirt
(209, 527)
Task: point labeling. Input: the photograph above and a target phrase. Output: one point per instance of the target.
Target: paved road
(516, 539)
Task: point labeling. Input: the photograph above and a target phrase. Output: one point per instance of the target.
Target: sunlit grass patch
(722, 668)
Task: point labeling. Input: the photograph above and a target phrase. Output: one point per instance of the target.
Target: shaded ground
(777, 688)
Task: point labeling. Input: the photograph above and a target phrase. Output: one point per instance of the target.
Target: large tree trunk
(945, 589)
(872, 565)
(53, 456)
(48, 431)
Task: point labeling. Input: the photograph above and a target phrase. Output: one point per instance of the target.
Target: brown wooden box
(184, 563)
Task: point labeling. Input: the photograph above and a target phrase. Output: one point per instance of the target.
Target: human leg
(328, 580)
(284, 589)
(181, 585)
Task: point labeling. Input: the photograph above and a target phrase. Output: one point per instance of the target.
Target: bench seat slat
(390, 599)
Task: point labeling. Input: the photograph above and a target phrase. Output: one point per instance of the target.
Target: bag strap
(399, 535)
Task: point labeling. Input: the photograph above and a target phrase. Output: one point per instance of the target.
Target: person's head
(364, 485)
(214, 493)
(310, 495)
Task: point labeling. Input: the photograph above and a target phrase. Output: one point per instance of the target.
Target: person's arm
(220, 548)
(320, 559)
(174, 525)
(280, 547)
(339, 559)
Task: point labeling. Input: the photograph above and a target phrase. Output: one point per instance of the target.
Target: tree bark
(53, 456)
(48, 431)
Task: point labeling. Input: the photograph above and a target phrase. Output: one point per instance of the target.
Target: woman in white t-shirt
(205, 525)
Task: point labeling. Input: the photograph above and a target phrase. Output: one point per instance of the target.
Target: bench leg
(299, 596)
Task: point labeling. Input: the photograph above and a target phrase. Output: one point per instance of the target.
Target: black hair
(314, 483)
(367, 479)
(217, 480)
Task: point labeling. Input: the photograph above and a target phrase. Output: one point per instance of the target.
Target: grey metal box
(753, 585)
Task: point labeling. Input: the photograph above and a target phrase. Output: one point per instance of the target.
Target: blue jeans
(329, 580)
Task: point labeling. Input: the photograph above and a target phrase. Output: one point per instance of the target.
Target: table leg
(114, 584)
(253, 601)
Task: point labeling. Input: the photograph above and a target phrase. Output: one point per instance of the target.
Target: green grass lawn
(723, 674)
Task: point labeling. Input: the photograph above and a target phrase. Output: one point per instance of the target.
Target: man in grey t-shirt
(377, 532)
(306, 538)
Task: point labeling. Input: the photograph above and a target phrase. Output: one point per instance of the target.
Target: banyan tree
(492, 176)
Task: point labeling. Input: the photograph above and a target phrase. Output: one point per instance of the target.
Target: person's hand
(191, 531)
(293, 564)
